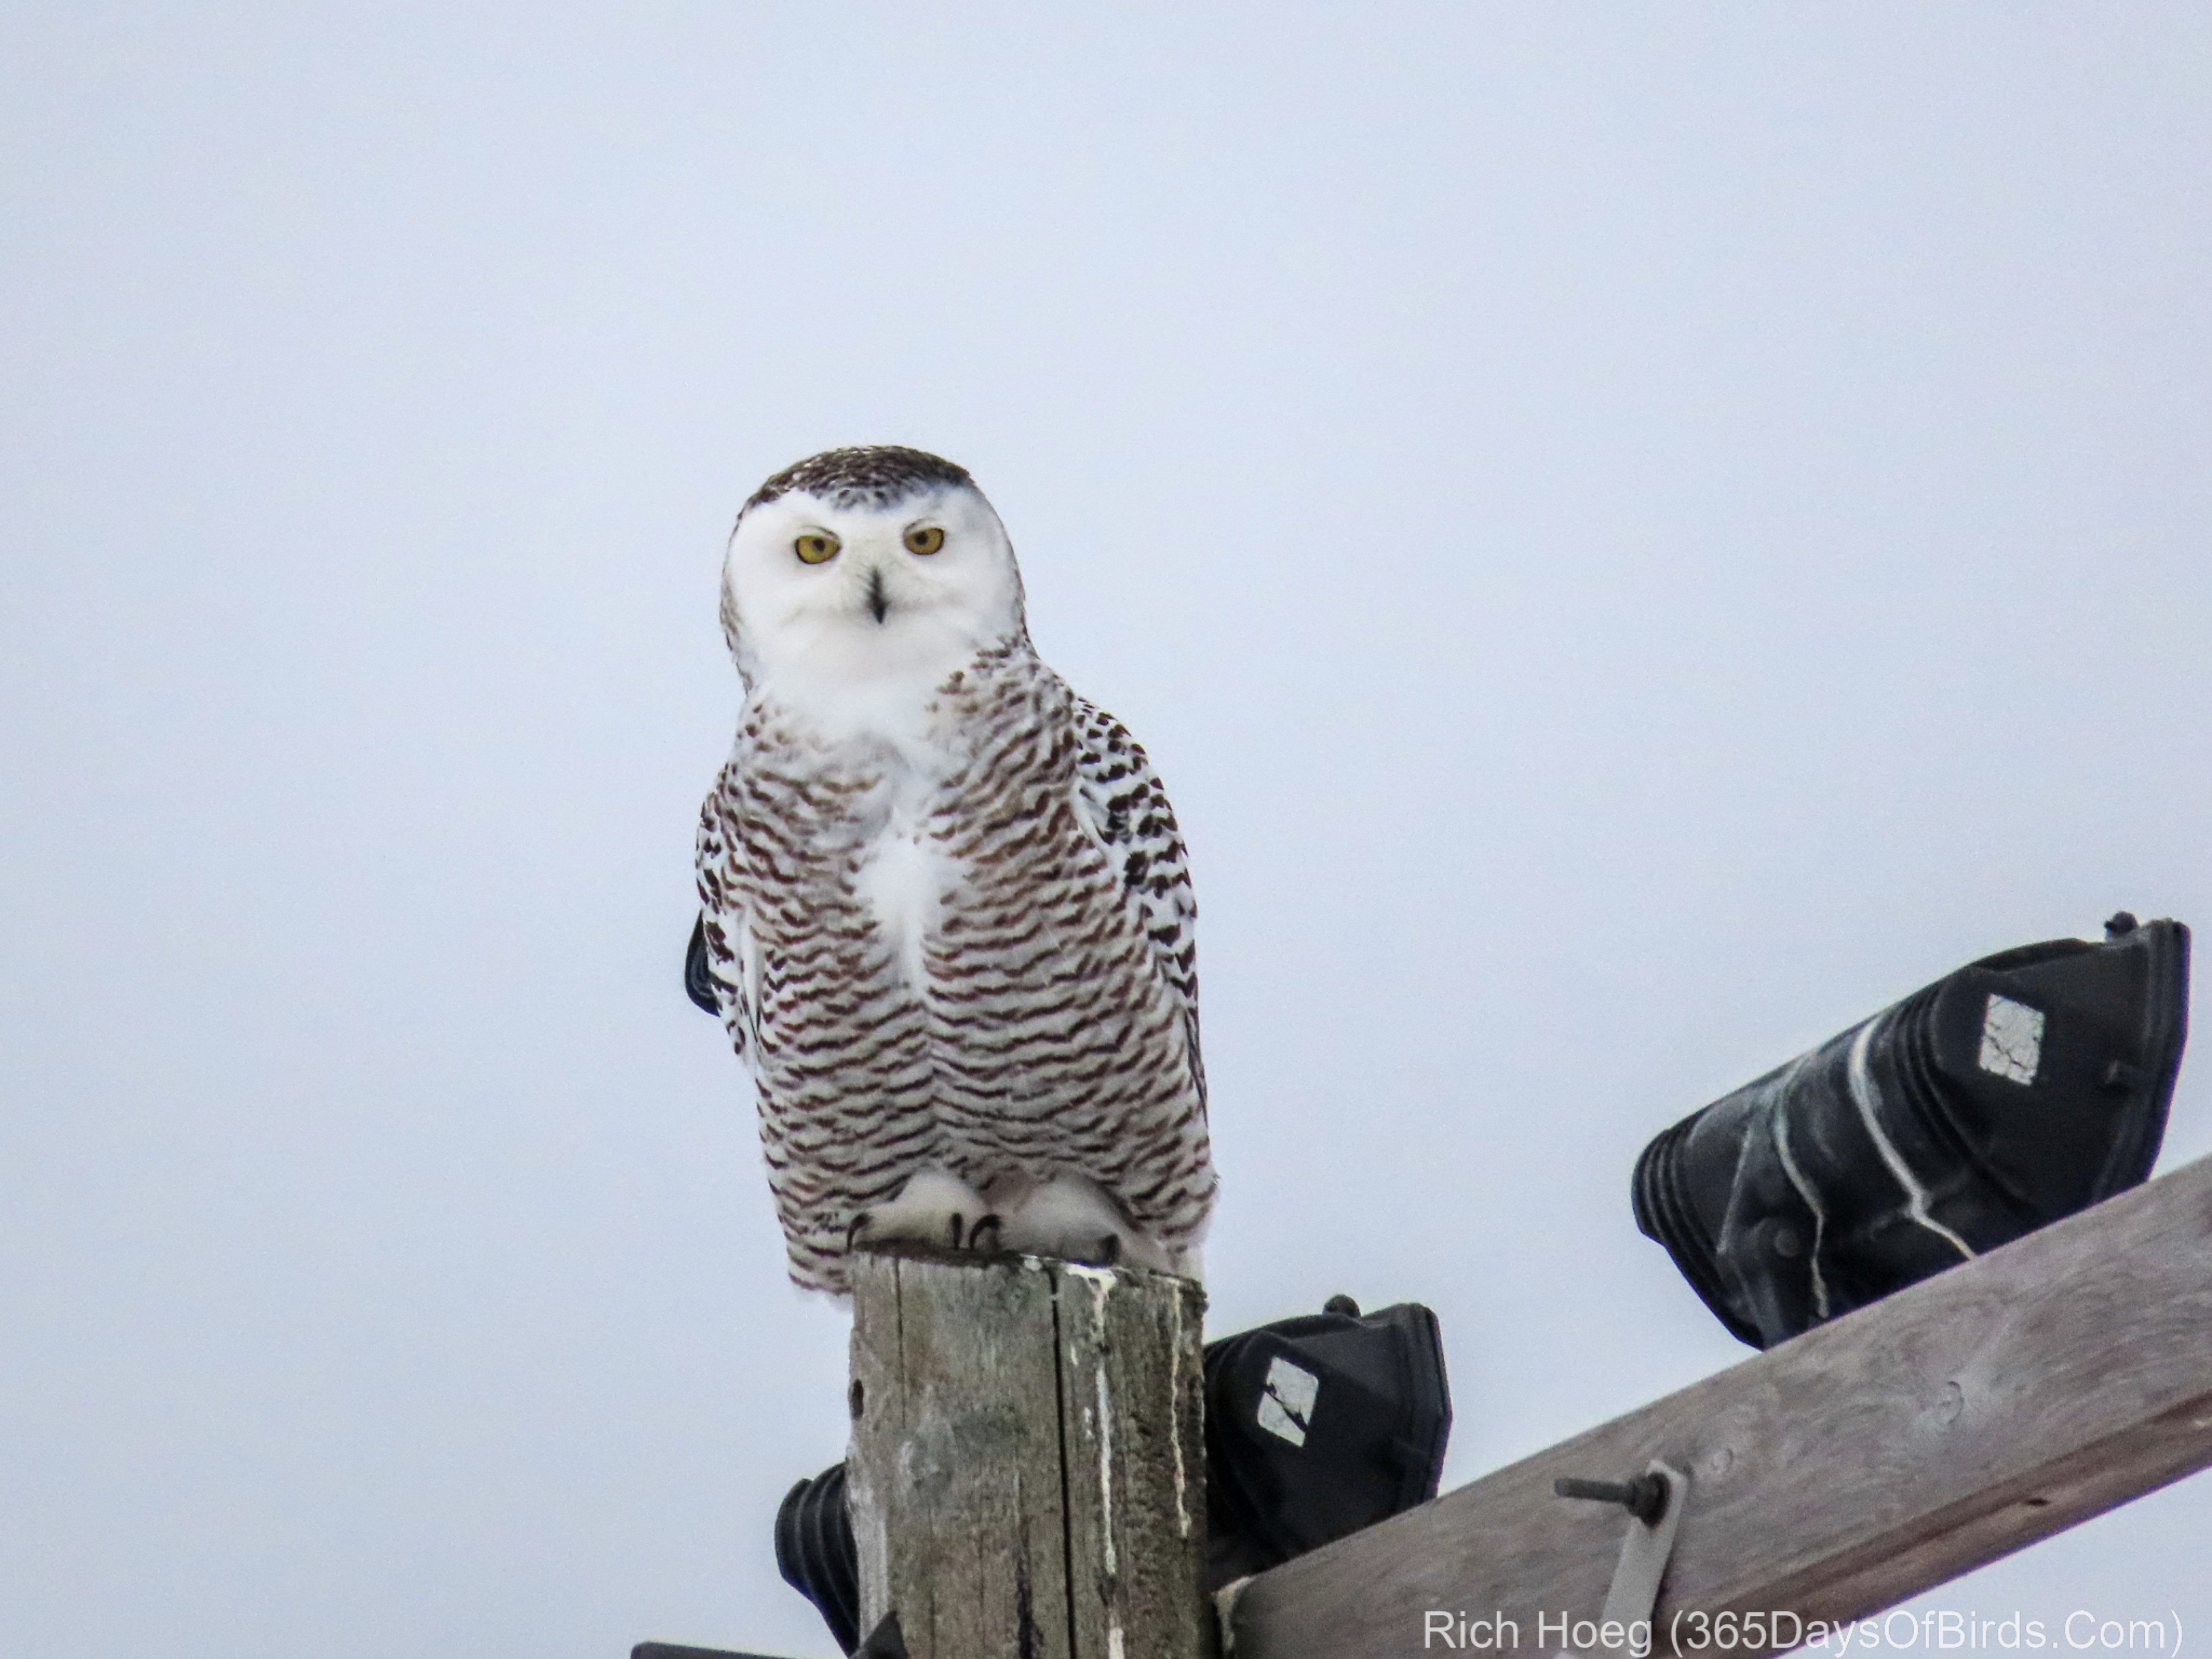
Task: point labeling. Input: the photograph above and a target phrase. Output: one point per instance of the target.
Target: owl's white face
(818, 597)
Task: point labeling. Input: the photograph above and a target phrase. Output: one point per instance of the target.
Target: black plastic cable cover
(2015, 1093)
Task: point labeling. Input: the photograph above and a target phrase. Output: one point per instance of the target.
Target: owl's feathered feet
(1068, 1218)
(935, 1208)
(1073, 1218)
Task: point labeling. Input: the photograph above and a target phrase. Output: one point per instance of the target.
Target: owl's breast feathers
(966, 944)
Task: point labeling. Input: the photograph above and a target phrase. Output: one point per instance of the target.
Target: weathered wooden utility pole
(1028, 1476)
(1028, 1468)
(1834, 1476)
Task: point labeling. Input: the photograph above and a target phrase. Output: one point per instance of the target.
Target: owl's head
(871, 565)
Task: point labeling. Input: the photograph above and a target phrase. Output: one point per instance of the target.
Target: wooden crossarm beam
(1837, 1474)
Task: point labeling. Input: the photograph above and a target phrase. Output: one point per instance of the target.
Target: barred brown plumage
(945, 909)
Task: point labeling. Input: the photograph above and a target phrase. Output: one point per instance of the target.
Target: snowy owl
(944, 911)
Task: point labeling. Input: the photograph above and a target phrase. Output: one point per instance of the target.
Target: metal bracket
(1654, 1503)
(1645, 1551)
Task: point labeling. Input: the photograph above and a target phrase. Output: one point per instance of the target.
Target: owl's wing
(719, 964)
(1123, 799)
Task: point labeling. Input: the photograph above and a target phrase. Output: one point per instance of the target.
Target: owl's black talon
(988, 1234)
(952, 1225)
(1109, 1250)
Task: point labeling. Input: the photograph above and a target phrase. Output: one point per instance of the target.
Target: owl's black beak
(878, 606)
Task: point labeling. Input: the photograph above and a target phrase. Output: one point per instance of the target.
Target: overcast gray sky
(1636, 535)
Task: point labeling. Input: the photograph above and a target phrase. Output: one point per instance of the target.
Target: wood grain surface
(1028, 1468)
(1835, 1475)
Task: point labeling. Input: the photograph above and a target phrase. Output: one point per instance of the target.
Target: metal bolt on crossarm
(1645, 1497)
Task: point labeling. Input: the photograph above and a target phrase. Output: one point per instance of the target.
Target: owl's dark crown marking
(869, 475)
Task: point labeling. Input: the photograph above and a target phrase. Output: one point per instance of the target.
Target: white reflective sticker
(2012, 1039)
(1286, 1408)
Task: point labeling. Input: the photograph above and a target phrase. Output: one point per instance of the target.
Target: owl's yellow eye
(817, 547)
(924, 539)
